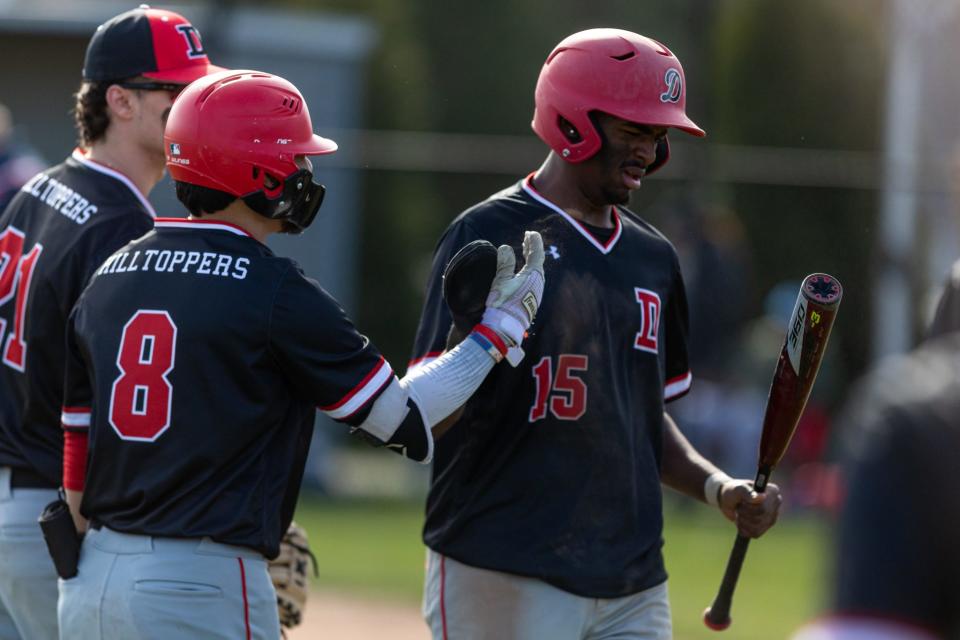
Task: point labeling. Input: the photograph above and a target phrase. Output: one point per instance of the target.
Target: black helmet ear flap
(296, 202)
(663, 154)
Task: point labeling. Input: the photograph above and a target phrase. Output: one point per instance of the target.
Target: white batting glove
(514, 298)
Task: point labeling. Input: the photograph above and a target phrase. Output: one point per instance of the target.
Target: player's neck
(554, 182)
(115, 152)
(239, 214)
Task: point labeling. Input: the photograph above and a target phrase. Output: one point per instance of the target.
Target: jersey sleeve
(435, 320)
(77, 391)
(325, 358)
(676, 329)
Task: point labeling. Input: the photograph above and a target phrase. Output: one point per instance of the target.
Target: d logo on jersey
(647, 337)
(192, 36)
(674, 82)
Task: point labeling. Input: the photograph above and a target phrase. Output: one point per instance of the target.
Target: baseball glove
(466, 283)
(288, 571)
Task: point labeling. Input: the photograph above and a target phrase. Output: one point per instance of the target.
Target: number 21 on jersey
(16, 272)
(563, 394)
(142, 396)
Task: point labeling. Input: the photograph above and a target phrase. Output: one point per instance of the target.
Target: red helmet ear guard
(618, 72)
(229, 130)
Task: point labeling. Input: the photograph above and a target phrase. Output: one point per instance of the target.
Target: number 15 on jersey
(564, 394)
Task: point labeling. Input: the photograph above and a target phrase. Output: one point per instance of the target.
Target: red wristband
(493, 337)
(75, 459)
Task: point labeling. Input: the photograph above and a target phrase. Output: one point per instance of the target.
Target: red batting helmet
(618, 72)
(231, 130)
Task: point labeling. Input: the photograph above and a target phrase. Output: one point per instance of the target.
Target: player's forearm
(74, 498)
(455, 337)
(405, 414)
(443, 386)
(74, 473)
(682, 467)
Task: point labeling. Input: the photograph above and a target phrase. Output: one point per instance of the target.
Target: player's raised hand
(515, 297)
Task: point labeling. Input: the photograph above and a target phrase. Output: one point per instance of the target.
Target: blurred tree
(809, 75)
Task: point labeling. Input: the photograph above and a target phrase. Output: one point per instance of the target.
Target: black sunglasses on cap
(172, 87)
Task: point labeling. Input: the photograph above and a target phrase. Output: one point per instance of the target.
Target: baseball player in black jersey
(56, 231)
(897, 572)
(544, 513)
(196, 361)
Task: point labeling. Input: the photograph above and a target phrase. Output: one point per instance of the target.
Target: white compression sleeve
(386, 422)
(443, 385)
(387, 412)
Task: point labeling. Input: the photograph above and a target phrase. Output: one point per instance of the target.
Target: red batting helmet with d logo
(618, 72)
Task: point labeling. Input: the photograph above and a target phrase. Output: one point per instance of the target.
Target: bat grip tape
(763, 477)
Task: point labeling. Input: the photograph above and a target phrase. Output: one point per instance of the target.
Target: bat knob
(716, 625)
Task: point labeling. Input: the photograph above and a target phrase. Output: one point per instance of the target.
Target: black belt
(28, 479)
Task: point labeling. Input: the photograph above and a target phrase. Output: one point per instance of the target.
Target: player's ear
(120, 103)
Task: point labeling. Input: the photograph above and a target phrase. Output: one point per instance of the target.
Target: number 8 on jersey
(141, 396)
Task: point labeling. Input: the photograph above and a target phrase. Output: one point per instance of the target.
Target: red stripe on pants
(443, 607)
(246, 606)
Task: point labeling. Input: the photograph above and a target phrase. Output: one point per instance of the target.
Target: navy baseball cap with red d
(155, 43)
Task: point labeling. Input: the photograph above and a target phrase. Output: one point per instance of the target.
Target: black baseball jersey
(58, 229)
(198, 358)
(947, 316)
(898, 556)
(553, 471)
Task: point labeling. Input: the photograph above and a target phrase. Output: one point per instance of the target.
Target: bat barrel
(800, 358)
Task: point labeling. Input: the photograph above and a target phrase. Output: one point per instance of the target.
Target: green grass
(373, 548)
(781, 585)
(370, 547)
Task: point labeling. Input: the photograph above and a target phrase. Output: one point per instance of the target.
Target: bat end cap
(713, 624)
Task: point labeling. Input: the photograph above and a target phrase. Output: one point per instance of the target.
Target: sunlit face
(628, 149)
(151, 110)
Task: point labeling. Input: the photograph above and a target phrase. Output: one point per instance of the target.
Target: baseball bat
(800, 358)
